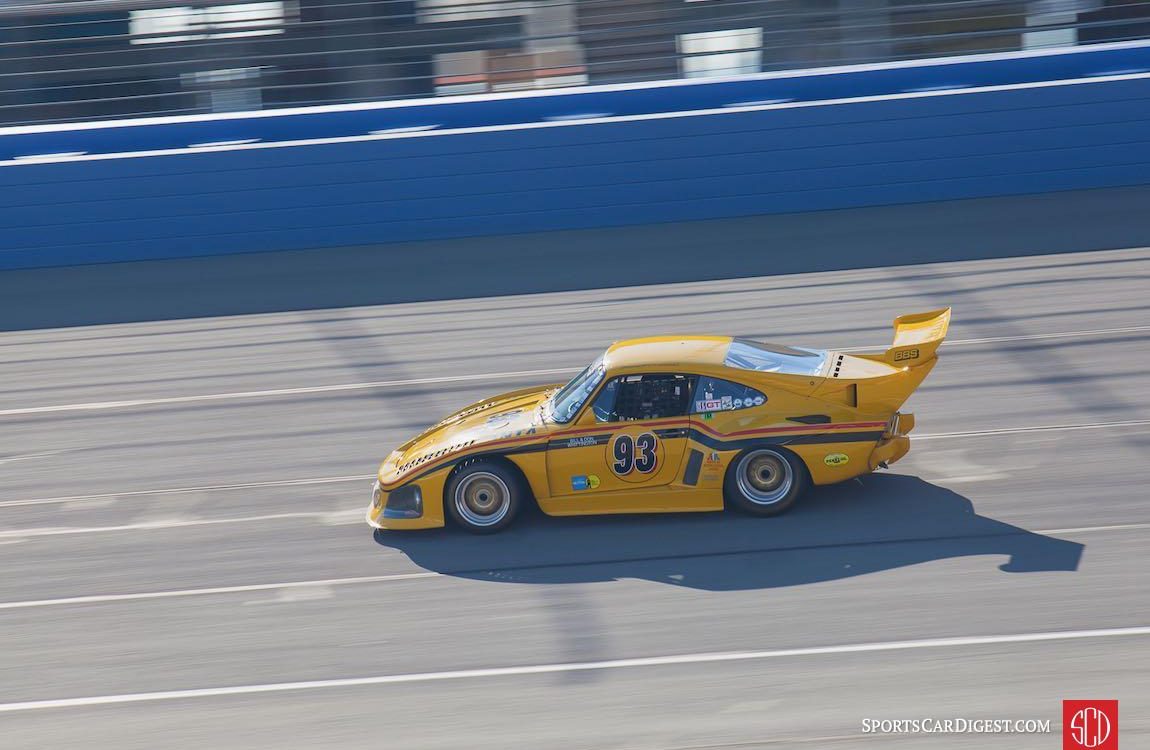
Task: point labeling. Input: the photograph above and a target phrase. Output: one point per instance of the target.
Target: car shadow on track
(890, 521)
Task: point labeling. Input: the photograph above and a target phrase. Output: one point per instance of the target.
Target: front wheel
(484, 497)
(765, 481)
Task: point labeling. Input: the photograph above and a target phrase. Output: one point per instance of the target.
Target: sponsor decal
(905, 354)
(708, 416)
(726, 403)
(515, 433)
(584, 482)
(760, 400)
(580, 442)
(1090, 725)
(712, 467)
(503, 419)
(738, 403)
(836, 459)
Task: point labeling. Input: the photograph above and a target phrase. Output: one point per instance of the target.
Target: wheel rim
(482, 499)
(765, 477)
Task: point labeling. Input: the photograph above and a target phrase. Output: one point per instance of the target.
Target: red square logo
(1089, 725)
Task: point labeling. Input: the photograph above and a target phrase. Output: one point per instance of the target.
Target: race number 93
(634, 453)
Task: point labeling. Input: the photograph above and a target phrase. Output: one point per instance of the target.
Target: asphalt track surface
(185, 564)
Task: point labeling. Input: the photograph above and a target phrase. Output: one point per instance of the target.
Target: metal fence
(75, 60)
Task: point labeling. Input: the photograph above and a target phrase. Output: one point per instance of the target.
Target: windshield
(751, 355)
(565, 404)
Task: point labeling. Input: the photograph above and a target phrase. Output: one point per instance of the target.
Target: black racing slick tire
(484, 496)
(765, 481)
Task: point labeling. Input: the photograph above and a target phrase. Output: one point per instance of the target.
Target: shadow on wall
(586, 259)
(891, 521)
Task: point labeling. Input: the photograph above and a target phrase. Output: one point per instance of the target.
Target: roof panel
(658, 351)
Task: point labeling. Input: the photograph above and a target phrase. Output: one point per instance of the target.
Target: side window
(714, 394)
(634, 397)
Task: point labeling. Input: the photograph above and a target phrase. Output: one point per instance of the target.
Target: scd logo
(1090, 724)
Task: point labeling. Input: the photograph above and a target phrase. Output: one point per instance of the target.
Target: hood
(511, 414)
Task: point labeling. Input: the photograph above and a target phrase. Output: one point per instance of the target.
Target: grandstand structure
(80, 60)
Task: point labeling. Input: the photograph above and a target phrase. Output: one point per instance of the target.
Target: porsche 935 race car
(665, 424)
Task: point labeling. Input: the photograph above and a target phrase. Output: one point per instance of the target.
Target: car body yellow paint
(841, 421)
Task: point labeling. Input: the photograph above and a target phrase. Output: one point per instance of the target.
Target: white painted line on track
(30, 456)
(1041, 336)
(526, 670)
(1036, 428)
(178, 593)
(31, 533)
(342, 387)
(1020, 337)
(189, 490)
(1087, 529)
(101, 405)
(361, 580)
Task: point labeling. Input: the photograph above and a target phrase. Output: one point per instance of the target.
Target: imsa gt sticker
(714, 404)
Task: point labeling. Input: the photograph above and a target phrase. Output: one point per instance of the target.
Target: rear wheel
(484, 497)
(765, 481)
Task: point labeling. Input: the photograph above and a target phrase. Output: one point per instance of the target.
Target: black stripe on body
(696, 435)
(752, 442)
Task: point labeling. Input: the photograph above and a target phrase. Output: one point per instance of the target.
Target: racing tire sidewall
(497, 474)
(736, 497)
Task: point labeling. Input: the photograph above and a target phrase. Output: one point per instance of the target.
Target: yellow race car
(665, 424)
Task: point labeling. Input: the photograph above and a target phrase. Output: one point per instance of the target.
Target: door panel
(616, 456)
(625, 454)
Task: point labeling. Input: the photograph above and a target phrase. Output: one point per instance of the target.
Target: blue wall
(802, 158)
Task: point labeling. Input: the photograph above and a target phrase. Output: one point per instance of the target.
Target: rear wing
(916, 338)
